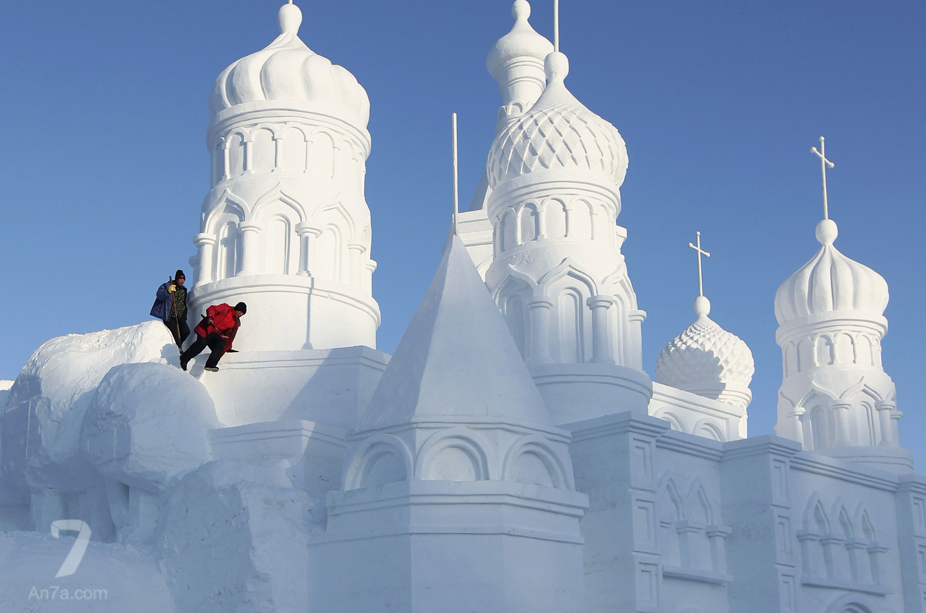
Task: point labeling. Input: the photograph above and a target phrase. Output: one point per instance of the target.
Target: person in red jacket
(217, 331)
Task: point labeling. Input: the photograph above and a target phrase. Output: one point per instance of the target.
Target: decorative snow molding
(457, 454)
(378, 460)
(840, 550)
(531, 459)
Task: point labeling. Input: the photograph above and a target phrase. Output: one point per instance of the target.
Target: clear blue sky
(103, 113)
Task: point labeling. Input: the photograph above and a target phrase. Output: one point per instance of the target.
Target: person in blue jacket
(170, 307)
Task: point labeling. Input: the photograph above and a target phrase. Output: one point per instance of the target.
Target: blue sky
(103, 114)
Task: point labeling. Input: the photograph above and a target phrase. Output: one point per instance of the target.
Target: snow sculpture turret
(558, 274)
(835, 396)
(457, 460)
(516, 62)
(707, 360)
(286, 227)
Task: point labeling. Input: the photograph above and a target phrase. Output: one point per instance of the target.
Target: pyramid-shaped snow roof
(457, 360)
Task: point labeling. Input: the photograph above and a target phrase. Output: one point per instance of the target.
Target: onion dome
(557, 133)
(707, 360)
(830, 282)
(287, 70)
(522, 41)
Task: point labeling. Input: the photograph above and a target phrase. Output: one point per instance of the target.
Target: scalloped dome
(288, 70)
(557, 133)
(830, 282)
(705, 356)
(521, 41)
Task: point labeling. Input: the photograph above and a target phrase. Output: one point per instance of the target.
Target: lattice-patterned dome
(831, 282)
(706, 356)
(287, 70)
(557, 133)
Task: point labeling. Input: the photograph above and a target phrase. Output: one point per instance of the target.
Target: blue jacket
(164, 304)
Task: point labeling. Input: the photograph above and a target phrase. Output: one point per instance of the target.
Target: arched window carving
(227, 253)
(579, 220)
(824, 351)
(236, 155)
(321, 155)
(530, 223)
(293, 151)
(328, 254)
(571, 335)
(279, 245)
(555, 216)
(509, 231)
(263, 157)
(805, 359)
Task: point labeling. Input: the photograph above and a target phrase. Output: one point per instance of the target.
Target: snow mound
(109, 577)
(146, 424)
(43, 417)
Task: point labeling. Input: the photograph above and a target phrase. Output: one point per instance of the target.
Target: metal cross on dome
(823, 164)
(700, 253)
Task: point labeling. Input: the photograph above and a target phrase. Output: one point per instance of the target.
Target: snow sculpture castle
(512, 455)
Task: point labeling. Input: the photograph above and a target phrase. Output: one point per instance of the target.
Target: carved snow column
(356, 251)
(308, 237)
(250, 257)
(830, 315)
(205, 243)
(281, 226)
(601, 333)
(538, 316)
(544, 198)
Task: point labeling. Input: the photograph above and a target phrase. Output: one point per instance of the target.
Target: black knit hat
(179, 275)
(241, 307)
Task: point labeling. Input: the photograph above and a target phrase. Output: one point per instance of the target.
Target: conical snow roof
(557, 133)
(831, 282)
(457, 361)
(705, 357)
(287, 70)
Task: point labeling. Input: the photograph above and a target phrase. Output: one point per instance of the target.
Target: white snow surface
(44, 413)
(110, 577)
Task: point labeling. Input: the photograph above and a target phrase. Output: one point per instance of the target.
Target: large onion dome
(521, 41)
(288, 70)
(557, 133)
(831, 282)
(707, 360)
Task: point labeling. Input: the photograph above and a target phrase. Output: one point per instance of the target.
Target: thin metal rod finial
(556, 25)
(456, 178)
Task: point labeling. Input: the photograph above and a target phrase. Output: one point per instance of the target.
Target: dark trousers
(213, 341)
(178, 327)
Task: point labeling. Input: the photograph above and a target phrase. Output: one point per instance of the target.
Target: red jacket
(220, 319)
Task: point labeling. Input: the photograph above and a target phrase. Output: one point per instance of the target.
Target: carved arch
(698, 498)
(558, 469)
(462, 443)
(707, 428)
(277, 195)
(568, 268)
(815, 518)
(674, 422)
(382, 449)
